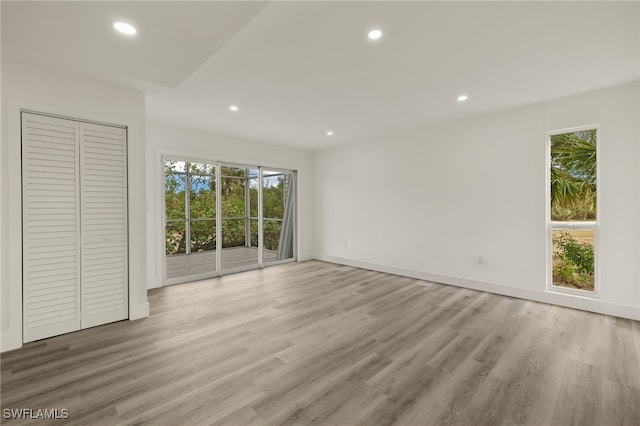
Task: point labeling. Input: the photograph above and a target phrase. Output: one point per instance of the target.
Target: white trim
(196, 157)
(573, 225)
(218, 219)
(64, 117)
(152, 283)
(552, 225)
(247, 211)
(279, 262)
(138, 305)
(187, 209)
(260, 217)
(252, 267)
(138, 310)
(189, 278)
(574, 129)
(296, 255)
(570, 301)
(3, 228)
(12, 337)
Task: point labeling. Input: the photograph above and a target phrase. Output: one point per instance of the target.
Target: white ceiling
(298, 69)
(175, 38)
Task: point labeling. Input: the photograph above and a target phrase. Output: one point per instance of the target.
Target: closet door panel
(51, 227)
(104, 224)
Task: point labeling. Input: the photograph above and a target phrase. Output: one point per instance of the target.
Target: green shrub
(574, 264)
(564, 272)
(577, 254)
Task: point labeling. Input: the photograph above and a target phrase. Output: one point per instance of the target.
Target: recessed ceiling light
(330, 133)
(462, 98)
(374, 34)
(124, 28)
(234, 108)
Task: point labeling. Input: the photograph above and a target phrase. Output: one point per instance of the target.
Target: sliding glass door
(278, 215)
(190, 217)
(222, 218)
(237, 250)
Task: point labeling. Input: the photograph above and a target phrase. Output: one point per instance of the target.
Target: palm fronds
(573, 169)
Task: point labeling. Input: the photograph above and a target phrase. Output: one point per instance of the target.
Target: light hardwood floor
(318, 343)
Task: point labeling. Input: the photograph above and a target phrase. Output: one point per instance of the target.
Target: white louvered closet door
(103, 179)
(75, 272)
(51, 226)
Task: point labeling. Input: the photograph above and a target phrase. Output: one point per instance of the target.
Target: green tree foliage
(174, 196)
(233, 208)
(174, 184)
(273, 200)
(202, 200)
(573, 176)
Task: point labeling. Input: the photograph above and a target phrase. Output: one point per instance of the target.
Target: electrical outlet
(480, 260)
(346, 243)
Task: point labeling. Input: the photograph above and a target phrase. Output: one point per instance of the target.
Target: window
(573, 210)
(223, 218)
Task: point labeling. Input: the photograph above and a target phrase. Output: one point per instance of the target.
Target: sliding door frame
(218, 182)
(163, 221)
(294, 174)
(247, 236)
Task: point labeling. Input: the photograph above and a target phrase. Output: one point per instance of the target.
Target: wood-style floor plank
(580, 396)
(326, 344)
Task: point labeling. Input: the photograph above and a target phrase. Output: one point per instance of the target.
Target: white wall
(428, 202)
(25, 87)
(166, 140)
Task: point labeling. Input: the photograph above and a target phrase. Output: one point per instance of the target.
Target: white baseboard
(153, 284)
(567, 300)
(138, 311)
(10, 341)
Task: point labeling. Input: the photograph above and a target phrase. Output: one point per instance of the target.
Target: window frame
(552, 225)
(219, 164)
